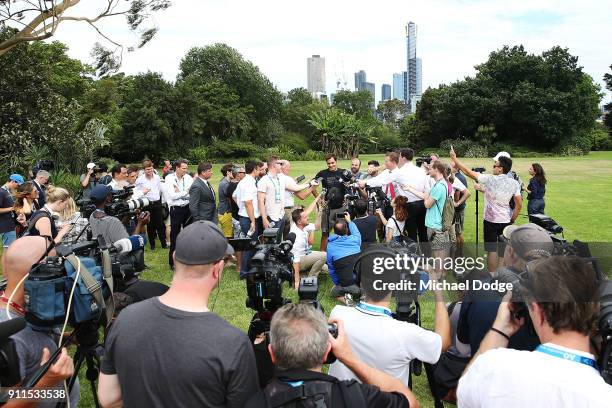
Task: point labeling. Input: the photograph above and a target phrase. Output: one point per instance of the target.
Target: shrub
(70, 182)
(601, 139)
(226, 149)
(297, 142)
(282, 151)
(312, 155)
(198, 154)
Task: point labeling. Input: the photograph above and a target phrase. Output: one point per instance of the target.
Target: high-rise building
(370, 87)
(360, 80)
(413, 77)
(316, 75)
(385, 92)
(398, 86)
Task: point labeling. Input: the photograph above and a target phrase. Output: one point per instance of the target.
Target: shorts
(459, 221)
(492, 231)
(438, 240)
(329, 219)
(225, 223)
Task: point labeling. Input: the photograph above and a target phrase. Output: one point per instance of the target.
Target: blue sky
(278, 36)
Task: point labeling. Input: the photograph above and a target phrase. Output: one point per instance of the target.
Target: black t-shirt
(7, 220)
(333, 182)
(36, 216)
(234, 207)
(372, 395)
(165, 357)
(367, 228)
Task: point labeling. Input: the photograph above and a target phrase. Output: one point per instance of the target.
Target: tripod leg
(432, 385)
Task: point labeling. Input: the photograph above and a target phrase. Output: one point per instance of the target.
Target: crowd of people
(167, 348)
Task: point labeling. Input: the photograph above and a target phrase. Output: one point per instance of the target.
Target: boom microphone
(10, 327)
(132, 243)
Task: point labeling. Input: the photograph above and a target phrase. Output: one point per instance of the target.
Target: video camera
(377, 199)
(9, 360)
(423, 159)
(120, 205)
(479, 169)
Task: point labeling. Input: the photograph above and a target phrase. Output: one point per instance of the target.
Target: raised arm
(466, 170)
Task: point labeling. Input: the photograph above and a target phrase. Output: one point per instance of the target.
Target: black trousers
(416, 221)
(156, 227)
(180, 217)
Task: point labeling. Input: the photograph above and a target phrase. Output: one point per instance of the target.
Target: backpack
(403, 236)
(448, 212)
(518, 179)
(310, 394)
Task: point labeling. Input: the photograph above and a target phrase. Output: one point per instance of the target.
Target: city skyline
(315, 72)
(277, 41)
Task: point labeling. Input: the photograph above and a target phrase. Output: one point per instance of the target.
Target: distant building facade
(385, 92)
(316, 75)
(360, 80)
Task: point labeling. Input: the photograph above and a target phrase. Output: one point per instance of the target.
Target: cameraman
(366, 223)
(561, 297)
(525, 243)
(89, 179)
(333, 180)
(299, 345)
(383, 342)
(499, 189)
(304, 258)
(342, 252)
(189, 356)
(33, 347)
(111, 228)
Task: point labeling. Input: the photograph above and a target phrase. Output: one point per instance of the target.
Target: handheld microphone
(10, 327)
(291, 237)
(133, 243)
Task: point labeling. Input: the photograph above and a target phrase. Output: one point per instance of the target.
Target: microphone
(10, 327)
(133, 243)
(291, 237)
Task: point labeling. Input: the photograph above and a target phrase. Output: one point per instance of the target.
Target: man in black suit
(40, 182)
(202, 199)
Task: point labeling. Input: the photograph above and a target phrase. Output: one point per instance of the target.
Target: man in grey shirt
(187, 355)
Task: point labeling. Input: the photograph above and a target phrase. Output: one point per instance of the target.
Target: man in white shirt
(304, 258)
(119, 174)
(499, 189)
(177, 188)
(271, 195)
(149, 184)
(248, 212)
(292, 190)
(560, 294)
(381, 341)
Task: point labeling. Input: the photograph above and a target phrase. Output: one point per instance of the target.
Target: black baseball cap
(201, 243)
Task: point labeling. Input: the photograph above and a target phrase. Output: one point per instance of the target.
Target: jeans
(8, 238)
(535, 206)
(245, 226)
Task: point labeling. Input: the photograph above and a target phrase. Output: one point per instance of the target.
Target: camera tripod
(477, 223)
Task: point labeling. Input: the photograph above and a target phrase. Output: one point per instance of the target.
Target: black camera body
(119, 207)
(423, 159)
(478, 169)
(377, 199)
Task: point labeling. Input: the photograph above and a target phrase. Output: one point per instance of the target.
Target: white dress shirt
(408, 174)
(153, 184)
(178, 189)
(246, 190)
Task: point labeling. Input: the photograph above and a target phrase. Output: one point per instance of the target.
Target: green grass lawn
(577, 197)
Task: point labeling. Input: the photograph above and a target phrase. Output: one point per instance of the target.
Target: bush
(296, 141)
(70, 182)
(231, 149)
(601, 139)
(198, 154)
(571, 150)
(282, 151)
(312, 155)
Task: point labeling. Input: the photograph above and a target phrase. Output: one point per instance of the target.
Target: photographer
(561, 297)
(333, 180)
(190, 357)
(383, 342)
(111, 228)
(304, 258)
(88, 180)
(366, 223)
(33, 347)
(342, 252)
(525, 243)
(299, 345)
(499, 189)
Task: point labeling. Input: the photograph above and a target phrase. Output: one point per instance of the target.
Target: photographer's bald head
(18, 260)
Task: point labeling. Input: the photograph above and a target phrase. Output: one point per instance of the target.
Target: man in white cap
(88, 180)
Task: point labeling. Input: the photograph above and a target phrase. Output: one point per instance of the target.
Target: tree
(300, 97)
(341, 133)
(392, 111)
(224, 65)
(541, 101)
(608, 107)
(38, 87)
(39, 20)
(358, 103)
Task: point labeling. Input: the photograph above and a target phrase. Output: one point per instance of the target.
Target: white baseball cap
(501, 154)
(91, 165)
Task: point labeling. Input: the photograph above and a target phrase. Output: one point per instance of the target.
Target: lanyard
(566, 355)
(364, 307)
(277, 192)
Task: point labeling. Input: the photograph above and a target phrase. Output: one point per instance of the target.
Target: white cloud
(278, 36)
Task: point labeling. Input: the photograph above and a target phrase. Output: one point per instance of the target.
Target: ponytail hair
(55, 194)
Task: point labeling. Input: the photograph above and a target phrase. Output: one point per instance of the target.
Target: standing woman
(42, 221)
(25, 205)
(536, 189)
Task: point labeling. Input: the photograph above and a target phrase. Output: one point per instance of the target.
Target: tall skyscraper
(370, 87)
(398, 86)
(360, 80)
(385, 92)
(413, 85)
(316, 75)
